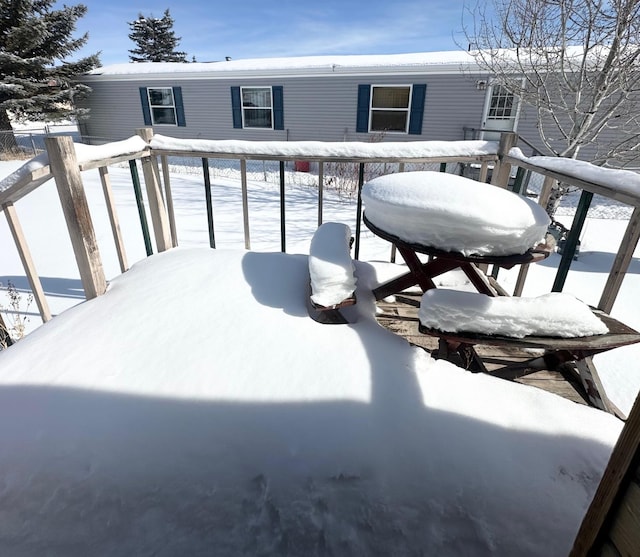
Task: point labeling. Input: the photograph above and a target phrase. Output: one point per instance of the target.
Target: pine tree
(156, 40)
(37, 80)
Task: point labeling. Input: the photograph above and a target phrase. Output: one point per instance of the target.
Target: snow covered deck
(183, 436)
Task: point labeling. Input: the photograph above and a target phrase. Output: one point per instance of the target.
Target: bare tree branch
(576, 62)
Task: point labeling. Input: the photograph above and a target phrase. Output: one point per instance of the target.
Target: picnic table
(399, 209)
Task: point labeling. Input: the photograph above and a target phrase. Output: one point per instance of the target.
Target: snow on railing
(618, 184)
(147, 147)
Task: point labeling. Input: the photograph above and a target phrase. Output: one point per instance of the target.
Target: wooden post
(166, 178)
(113, 218)
(159, 218)
(64, 167)
(621, 262)
(484, 170)
(545, 192)
(27, 262)
(502, 169)
(618, 478)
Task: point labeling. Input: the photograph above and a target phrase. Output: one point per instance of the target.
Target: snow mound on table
(330, 265)
(453, 213)
(555, 314)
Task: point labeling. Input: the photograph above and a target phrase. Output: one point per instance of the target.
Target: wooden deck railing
(63, 164)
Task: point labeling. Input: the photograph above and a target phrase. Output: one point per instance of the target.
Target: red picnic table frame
(422, 274)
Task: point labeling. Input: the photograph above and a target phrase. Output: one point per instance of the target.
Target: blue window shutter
(278, 107)
(417, 108)
(364, 94)
(236, 108)
(177, 98)
(146, 112)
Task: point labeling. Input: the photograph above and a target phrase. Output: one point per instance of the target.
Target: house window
(502, 104)
(258, 107)
(162, 105)
(390, 108)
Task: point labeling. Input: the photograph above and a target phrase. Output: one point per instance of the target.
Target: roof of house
(375, 64)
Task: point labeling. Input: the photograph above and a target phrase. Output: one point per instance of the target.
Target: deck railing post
(64, 167)
(166, 178)
(356, 252)
(27, 262)
(209, 202)
(113, 218)
(621, 263)
(283, 231)
(159, 217)
(571, 242)
(137, 190)
(502, 170)
(320, 191)
(245, 203)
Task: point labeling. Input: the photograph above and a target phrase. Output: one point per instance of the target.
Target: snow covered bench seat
(331, 269)
(454, 214)
(566, 328)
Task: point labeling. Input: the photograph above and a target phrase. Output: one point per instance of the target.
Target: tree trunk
(8, 143)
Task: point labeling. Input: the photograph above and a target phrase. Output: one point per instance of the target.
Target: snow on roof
(556, 314)
(329, 149)
(453, 213)
(423, 62)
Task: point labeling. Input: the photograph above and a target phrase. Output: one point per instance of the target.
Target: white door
(500, 113)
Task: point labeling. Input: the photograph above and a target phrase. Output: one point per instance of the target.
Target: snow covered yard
(273, 434)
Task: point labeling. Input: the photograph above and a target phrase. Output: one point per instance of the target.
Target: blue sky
(255, 29)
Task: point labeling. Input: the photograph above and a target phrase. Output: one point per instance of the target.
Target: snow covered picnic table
(460, 221)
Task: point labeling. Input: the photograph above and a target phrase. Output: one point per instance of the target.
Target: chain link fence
(29, 142)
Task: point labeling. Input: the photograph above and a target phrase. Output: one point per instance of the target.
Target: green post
(207, 196)
(283, 233)
(572, 240)
(519, 180)
(140, 203)
(356, 251)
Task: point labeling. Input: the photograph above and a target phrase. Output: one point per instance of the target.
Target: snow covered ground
(196, 407)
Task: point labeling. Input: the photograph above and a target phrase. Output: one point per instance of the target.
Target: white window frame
(501, 92)
(172, 106)
(243, 108)
(406, 110)
(515, 117)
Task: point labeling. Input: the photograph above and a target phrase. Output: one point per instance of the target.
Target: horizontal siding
(315, 108)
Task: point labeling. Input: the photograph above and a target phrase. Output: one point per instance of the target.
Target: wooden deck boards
(400, 317)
